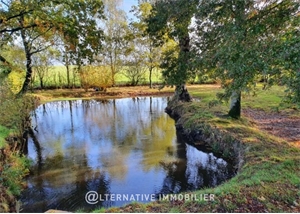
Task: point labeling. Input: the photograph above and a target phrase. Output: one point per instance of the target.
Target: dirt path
(278, 124)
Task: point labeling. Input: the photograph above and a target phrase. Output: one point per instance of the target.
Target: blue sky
(126, 6)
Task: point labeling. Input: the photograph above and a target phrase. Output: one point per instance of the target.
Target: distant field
(57, 77)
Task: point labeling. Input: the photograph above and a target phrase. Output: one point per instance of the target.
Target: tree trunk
(28, 61)
(235, 105)
(113, 76)
(41, 83)
(150, 77)
(74, 78)
(68, 76)
(182, 94)
(113, 70)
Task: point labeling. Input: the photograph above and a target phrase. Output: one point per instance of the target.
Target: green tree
(42, 63)
(115, 34)
(14, 57)
(152, 53)
(5, 68)
(172, 18)
(134, 59)
(287, 55)
(236, 38)
(31, 20)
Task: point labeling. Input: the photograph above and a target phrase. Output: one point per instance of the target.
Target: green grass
(4, 132)
(270, 100)
(267, 100)
(101, 210)
(271, 173)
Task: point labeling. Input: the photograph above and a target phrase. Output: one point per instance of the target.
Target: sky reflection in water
(122, 146)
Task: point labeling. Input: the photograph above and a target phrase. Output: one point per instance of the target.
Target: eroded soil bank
(219, 141)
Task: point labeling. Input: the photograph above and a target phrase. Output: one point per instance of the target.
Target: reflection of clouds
(114, 163)
(200, 164)
(197, 158)
(119, 146)
(194, 170)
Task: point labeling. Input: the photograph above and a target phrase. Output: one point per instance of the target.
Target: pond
(112, 147)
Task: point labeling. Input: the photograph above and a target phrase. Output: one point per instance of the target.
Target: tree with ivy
(171, 19)
(236, 38)
(77, 22)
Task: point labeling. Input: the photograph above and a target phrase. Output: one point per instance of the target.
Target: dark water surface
(123, 146)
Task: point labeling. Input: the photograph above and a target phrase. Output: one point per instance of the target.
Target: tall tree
(173, 17)
(235, 36)
(115, 42)
(152, 53)
(76, 21)
(135, 56)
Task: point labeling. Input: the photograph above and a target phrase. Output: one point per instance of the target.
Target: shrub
(14, 117)
(15, 111)
(95, 76)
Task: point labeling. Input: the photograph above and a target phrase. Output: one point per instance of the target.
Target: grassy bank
(13, 168)
(269, 175)
(13, 165)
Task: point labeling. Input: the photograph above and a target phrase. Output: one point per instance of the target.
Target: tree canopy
(237, 39)
(171, 19)
(75, 22)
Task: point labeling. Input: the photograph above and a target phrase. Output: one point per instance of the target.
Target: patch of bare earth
(278, 124)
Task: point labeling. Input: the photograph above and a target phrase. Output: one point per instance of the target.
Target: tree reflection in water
(122, 146)
(193, 169)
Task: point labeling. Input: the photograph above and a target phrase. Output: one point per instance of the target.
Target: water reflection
(122, 146)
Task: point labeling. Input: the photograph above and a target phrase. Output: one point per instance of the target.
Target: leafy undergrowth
(269, 179)
(13, 168)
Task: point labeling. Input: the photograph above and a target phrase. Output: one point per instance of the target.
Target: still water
(121, 146)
